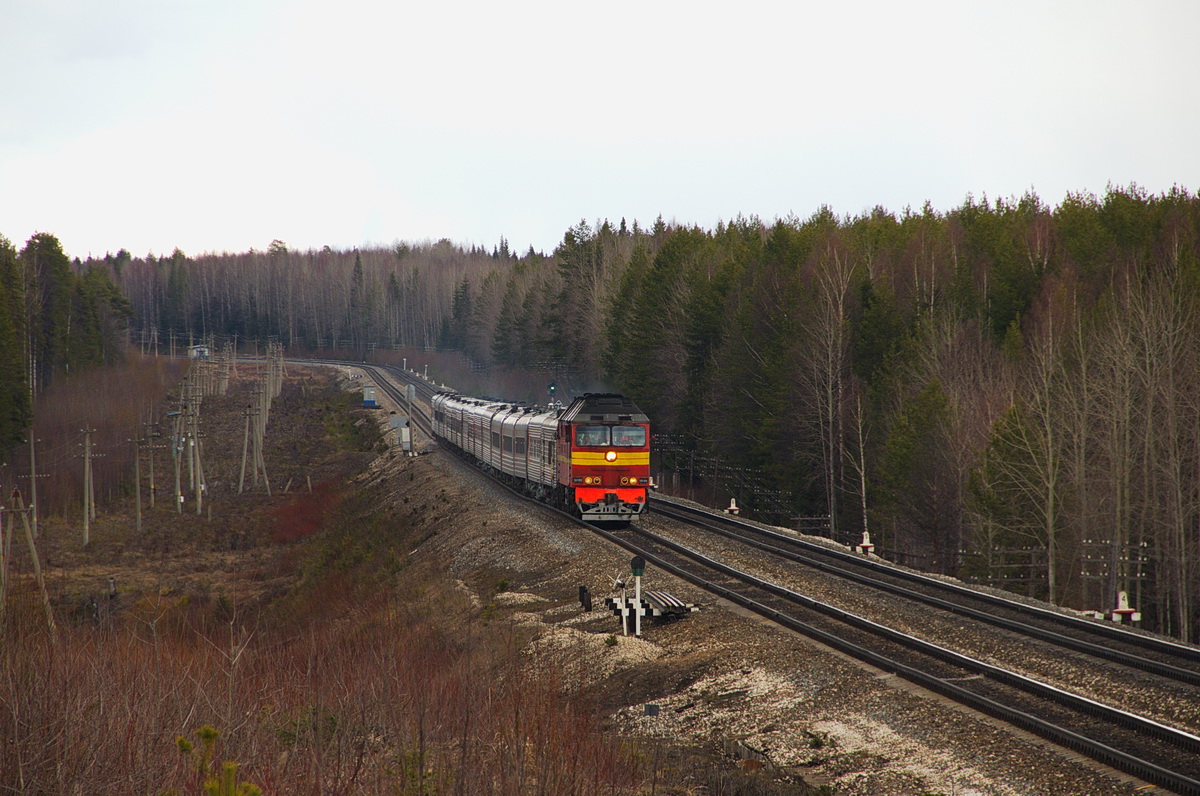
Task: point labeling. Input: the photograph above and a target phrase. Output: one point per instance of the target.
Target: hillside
(406, 627)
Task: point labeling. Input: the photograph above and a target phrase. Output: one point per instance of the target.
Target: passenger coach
(591, 458)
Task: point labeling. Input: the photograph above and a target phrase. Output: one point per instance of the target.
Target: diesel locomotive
(591, 458)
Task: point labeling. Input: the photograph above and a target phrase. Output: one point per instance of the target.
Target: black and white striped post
(638, 565)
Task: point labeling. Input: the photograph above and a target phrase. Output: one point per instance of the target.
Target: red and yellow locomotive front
(604, 457)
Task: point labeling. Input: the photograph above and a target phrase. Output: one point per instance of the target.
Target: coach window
(629, 436)
(587, 436)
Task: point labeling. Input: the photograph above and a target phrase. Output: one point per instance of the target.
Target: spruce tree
(15, 414)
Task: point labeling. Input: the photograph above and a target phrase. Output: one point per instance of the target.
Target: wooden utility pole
(153, 483)
(33, 483)
(88, 511)
(186, 435)
(176, 452)
(245, 448)
(199, 467)
(37, 567)
(152, 433)
(257, 414)
(259, 427)
(137, 480)
(260, 438)
(5, 557)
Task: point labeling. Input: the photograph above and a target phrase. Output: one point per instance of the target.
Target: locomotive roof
(603, 407)
(594, 407)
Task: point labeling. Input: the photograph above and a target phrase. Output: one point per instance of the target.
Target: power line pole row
(186, 438)
(209, 369)
(258, 413)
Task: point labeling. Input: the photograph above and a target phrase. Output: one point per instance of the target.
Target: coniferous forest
(56, 317)
(1005, 391)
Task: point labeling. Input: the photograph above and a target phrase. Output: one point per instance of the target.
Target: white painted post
(639, 567)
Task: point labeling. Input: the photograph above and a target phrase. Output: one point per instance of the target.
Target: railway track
(385, 378)
(1142, 747)
(1163, 657)
(1140, 652)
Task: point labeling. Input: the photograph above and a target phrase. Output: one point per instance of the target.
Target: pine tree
(15, 413)
(914, 482)
(48, 304)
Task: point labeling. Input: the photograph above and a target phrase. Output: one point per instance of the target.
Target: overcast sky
(220, 125)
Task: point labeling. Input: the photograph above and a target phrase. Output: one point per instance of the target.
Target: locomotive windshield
(591, 435)
(620, 436)
(629, 436)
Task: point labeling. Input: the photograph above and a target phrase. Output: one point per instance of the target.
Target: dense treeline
(56, 317)
(1005, 390)
(1006, 380)
(312, 299)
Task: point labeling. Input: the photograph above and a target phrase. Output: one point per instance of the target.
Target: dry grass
(357, 692)
(296, 626)
(344, 679)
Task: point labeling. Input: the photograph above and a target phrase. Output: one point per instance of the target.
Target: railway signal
(658, 604)
(638, 565)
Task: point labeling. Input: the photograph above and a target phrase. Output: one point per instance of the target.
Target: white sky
(220, 125)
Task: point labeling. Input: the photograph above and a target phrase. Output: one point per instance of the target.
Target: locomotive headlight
(610, 456)
(624, 480)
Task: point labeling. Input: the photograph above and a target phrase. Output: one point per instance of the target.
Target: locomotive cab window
(629, 436)
(591, 435)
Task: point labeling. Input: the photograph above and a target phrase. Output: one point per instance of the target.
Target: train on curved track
(591, 458)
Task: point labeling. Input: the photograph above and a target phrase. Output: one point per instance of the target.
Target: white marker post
(639, 566)
(1123, 612)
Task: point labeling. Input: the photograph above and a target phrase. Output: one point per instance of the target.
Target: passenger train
(591, 458)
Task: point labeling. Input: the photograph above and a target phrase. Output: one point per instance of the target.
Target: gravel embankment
(725, 681)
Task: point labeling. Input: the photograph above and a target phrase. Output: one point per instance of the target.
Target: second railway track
(1156, 752)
